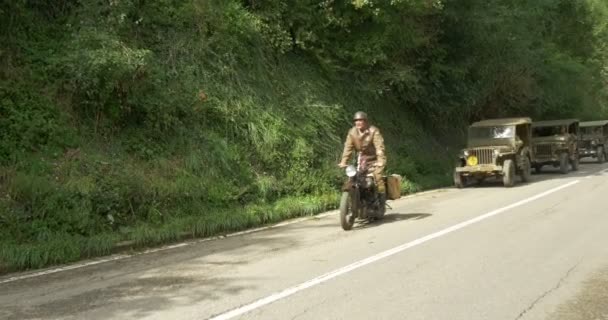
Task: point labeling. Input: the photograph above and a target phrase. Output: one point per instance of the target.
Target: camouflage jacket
(368, 143)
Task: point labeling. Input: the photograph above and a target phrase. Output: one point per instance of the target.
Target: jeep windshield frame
(548, 131)
(495, 135)
(591, 132)
(555, 128)
(594, 129)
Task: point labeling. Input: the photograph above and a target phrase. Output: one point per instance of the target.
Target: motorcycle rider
(369, 143)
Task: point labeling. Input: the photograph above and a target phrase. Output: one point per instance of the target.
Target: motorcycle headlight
(351, 171)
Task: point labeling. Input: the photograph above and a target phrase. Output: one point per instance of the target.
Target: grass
(61, 248)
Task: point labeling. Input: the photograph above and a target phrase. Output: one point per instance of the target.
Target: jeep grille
(484, 155)
(543, 149)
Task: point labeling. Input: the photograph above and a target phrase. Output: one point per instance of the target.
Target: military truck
(499, 148)
(593, 140)
(555, 143)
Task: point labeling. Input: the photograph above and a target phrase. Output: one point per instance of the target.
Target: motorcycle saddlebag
(393, 187)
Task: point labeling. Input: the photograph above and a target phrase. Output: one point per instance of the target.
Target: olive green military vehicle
(555, 143)
(498, 148)
(594, 140)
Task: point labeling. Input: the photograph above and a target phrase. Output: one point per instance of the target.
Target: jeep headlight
(593, 143)
(466, 153)
(496, 152)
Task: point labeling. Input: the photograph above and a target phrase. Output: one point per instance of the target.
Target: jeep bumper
(479, 169)
(545, 159)
(587, 153)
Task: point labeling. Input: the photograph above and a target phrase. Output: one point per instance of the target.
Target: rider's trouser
(378, 173)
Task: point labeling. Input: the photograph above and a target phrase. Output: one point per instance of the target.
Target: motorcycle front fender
(355, 201)
(348, 185)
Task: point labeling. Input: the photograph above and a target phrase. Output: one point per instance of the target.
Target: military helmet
(360, 115)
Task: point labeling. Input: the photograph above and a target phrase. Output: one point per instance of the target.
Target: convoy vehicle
(498, 148)
(593, 140)
(555, 143)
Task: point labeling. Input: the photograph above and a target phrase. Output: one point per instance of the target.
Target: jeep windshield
(499, 132)
(491, 136)
(591, 131)
(548, 131)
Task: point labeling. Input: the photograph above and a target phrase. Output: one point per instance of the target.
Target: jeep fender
(505, 156)
(525, 152)
(461, 162)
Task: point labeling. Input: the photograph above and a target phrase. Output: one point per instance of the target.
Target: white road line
(361, 263)
(179, 245)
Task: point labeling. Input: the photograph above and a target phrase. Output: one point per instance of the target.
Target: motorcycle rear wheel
(347, 215)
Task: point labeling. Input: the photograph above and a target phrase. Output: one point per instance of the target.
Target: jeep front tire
(508, 173)
(526, 170)
(575, 162)
(563, 163)
(458, 180)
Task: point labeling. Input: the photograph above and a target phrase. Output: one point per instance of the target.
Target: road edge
(127, 250)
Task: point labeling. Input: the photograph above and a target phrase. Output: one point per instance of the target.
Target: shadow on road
(142, 285)
(590, 301)
(132, 299)
(390, 218)
(586, 168)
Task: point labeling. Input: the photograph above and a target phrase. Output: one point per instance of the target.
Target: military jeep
(497, 148)
(593, 140)
(555, 143)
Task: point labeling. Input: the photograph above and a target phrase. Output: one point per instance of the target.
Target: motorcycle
(360, 198)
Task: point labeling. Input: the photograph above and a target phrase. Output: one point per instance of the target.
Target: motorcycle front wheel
(347, 214)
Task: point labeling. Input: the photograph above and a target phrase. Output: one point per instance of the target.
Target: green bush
(29, 121)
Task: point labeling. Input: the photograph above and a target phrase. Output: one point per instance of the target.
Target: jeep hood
(588, 137)
(498, 143)
(549, 139)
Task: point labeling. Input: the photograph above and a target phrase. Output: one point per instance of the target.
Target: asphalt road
(534, 251)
